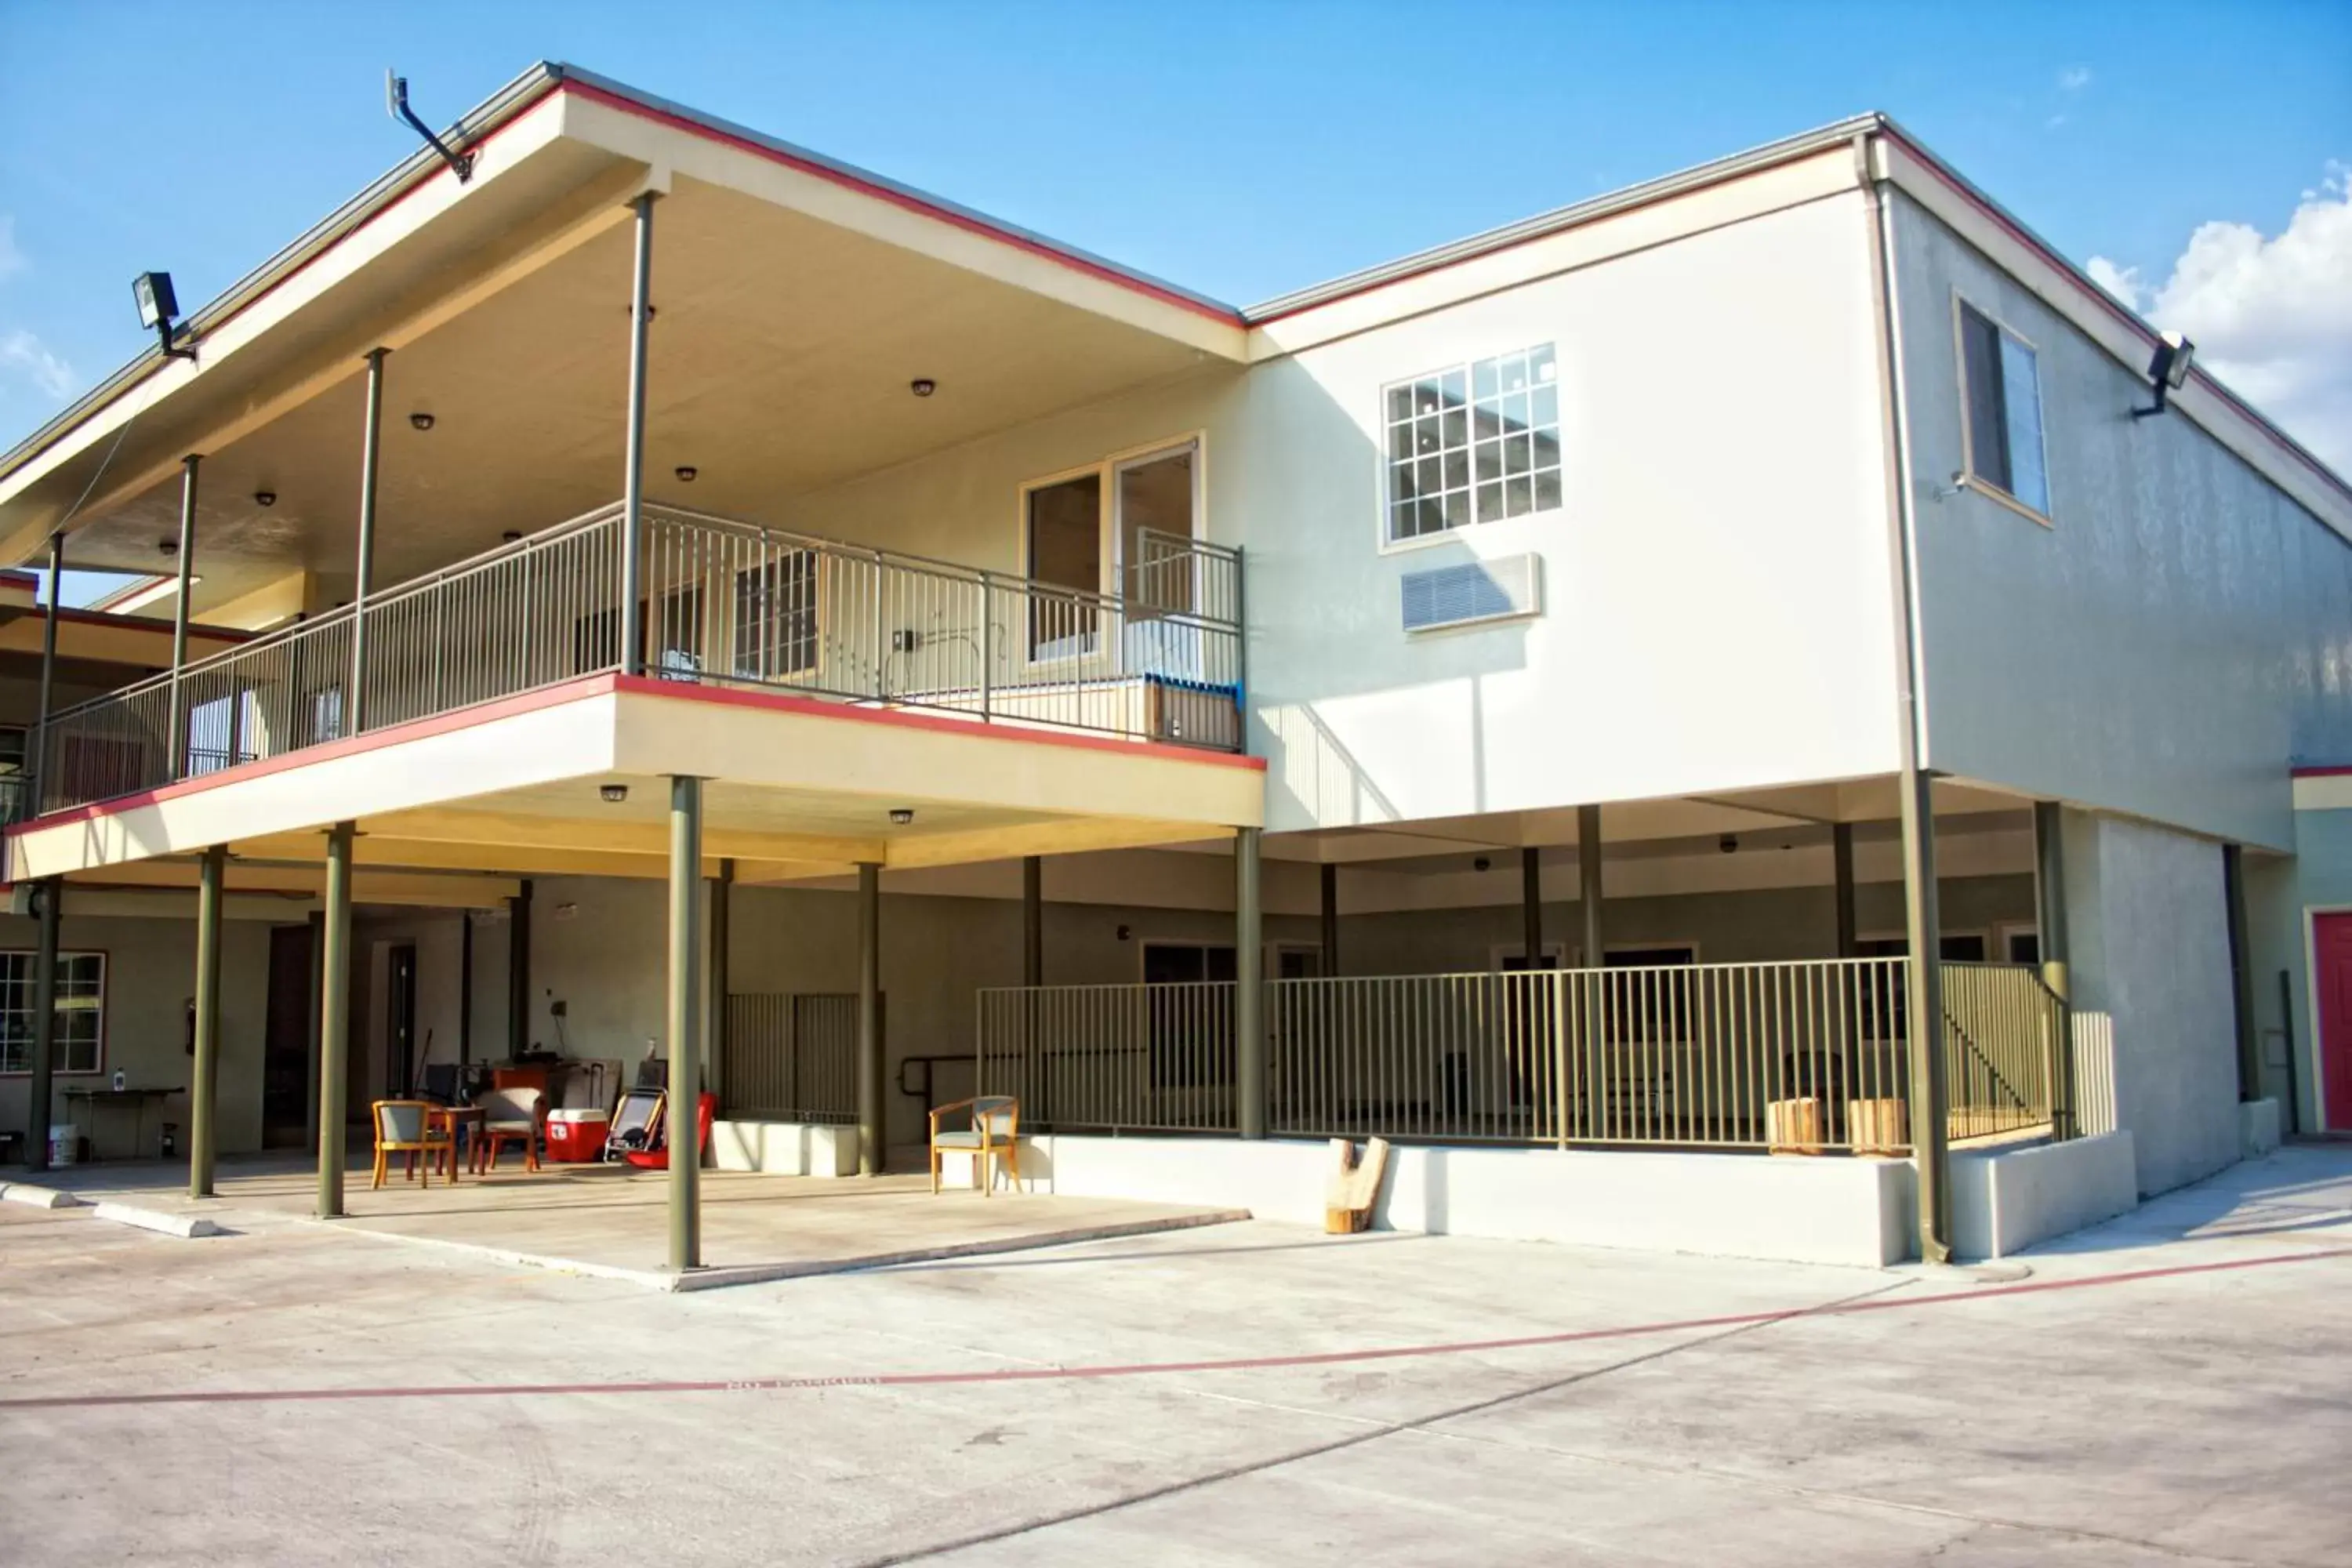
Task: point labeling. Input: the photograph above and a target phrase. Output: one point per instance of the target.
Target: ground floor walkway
(612, 1222)
(2172, 1388)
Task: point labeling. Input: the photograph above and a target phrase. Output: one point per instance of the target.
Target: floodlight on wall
(159, 307)
(2168, 370)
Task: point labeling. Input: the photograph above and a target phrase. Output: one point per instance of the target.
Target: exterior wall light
(613, 795)
(420, 420)
(922, 386)
(901, 815)
(2168, 370)
(159, 307)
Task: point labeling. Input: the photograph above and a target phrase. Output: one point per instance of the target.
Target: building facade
(1528, 700)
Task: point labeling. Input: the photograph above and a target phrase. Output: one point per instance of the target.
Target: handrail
(728, 601)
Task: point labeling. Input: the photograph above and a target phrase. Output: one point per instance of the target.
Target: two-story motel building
(1525, 700)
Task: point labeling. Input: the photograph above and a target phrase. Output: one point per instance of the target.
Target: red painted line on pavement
(1144, 1369)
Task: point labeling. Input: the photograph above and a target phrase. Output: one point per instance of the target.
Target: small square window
(2001, 382)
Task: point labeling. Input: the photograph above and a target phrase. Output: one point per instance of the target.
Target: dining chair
(404, 1126)
(512, 1116)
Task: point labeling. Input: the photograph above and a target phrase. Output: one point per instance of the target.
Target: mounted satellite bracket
(395, 102)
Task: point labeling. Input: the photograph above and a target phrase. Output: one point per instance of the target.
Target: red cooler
(575, 1137)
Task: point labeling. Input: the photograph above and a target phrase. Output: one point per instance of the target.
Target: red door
(2332, 942)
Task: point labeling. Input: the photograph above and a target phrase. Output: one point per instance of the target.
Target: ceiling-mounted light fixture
(265, 498)
(613, 795)
(168, 546)
(922, 386)
(420, 420)
(2168, 370)
(685, 472)
(512, 535)
(901, 815)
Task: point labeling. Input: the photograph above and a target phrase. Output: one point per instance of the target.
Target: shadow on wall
(1313, 542)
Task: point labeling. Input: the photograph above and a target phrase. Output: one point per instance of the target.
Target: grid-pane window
(2001, 381)
(81, 1011)
(775, 617)
(1473, 444)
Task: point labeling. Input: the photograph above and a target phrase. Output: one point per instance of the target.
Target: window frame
(1962, 305)
(105, 957)
(1108, 569)
(1382, 462)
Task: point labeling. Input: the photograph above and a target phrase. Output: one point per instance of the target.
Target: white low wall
(2258, 1127)
(784, 1148)
(1850, 1211)
(2006, 1200)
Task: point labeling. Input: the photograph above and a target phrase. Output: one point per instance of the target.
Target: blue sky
(1241, 151)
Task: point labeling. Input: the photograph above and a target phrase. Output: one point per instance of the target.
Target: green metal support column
(1330, 870)
(870, 1130)
(684, 1017)
(632, 463)
(2050, 926)
(1930, 1097)
(1033, 920)
(1531, 941)
(722, 979)
(1590, 904)
(519, 972)
(334, 1019)
(39, 1092)
(363, 582)
(2241, 979)
(316, 1007)
(1249, 985)
(203, 1073)
(175, 730)
(1842, 873)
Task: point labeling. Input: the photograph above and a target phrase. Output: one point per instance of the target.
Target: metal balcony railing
(1733, 1056)
(721, 603)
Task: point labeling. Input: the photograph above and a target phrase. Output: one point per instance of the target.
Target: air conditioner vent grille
(1473, 591)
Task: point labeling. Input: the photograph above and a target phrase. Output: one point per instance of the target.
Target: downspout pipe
(1928, 1095)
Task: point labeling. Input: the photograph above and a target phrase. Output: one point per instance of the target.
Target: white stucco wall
(2171, 643)
(2150, 947)
(1718, 598)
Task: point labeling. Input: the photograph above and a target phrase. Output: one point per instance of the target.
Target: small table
(136, 1098)
(452, 1117)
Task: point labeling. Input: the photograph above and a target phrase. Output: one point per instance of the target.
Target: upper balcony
(719, 603)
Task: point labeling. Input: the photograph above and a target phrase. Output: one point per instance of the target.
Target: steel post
(40, 769)
(2242, 977)
(2050, 926)
(203, 1073)
(633, 470)
(1593, 957)
(870, 1129)
(1930, 1096)
(175, 730)
(1330, 879)
(1531, 939)
(39, 1092)
(363, 569)
(1249, 985)
(1842, 877)
(1033, 920)
(685, 1022)
(334, 1019)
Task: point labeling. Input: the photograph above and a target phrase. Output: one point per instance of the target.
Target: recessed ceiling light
(613, 795)
(421, 420)
(685, 472)
(901, 815)
(922, 386)
(265, 498)
(511, 535)
(168, 546)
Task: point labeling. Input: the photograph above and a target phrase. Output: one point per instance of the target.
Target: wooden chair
(404, 1126)
(511, 1116)
(994, 1132)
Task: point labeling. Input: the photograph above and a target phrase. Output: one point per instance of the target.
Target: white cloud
(2269, 315)
(11, 260)
(2073, 79)
(21, 352)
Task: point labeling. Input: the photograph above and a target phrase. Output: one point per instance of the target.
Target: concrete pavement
(2174, 1387)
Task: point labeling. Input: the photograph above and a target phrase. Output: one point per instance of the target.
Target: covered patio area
(612, 1221)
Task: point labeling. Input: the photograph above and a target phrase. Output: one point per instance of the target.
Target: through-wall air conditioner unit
(1475, 591)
